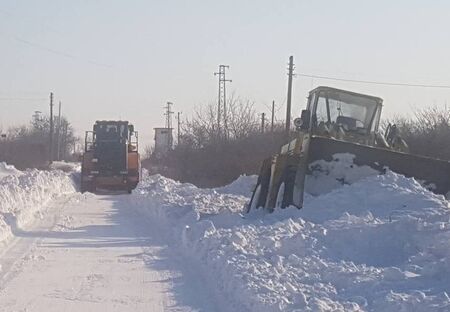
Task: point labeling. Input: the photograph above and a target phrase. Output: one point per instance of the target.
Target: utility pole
(58, 134)
(168, 115)
(263, 121)
(222, 101)
(64, 141)
(273, 116)
(51, 129)
(289, 96)
(178, 130)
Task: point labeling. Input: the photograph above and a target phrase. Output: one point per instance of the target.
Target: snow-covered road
(92, 253)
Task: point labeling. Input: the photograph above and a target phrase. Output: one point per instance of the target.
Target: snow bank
(23, 196)
(381, 243)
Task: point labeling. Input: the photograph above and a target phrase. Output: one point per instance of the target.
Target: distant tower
(168, 115)
(222, 117)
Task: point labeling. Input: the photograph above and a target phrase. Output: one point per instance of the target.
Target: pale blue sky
(125, 59)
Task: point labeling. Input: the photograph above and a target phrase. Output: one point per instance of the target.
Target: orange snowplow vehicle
(111, 160)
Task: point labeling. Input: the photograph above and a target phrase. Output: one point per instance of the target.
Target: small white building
(163, 140)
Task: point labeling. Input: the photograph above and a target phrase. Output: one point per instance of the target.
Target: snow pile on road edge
(379, 244)
(23, 196)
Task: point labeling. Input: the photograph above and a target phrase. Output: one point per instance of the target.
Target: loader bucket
(434, 173)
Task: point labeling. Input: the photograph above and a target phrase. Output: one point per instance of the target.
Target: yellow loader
(339, 121)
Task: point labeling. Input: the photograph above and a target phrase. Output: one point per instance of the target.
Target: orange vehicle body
(111, 160)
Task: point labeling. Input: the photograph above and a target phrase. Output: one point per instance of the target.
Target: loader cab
(111, 133)
(342, 114)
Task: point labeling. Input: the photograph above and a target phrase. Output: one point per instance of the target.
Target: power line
(53, 51)
(31, 21)
(22, 99)
(385, 83)
(22, 93)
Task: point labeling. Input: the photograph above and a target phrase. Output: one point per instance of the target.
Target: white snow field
(376, 243)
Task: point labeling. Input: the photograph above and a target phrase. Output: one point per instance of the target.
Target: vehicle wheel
(255, 199)
(261, 191)
(280, 202)
(129, 191)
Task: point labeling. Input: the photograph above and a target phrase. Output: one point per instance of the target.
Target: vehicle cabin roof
(334, 90)
(111, 122)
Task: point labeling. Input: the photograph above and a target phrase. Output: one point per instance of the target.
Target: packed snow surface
(376, 243)
(92, 253)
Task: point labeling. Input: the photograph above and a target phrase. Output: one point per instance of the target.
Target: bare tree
(242, 119)
(428, 132)
(208, 158)
(27, 146)
(202, 129)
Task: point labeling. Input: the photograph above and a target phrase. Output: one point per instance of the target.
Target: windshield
(352, 112)
(111, 132)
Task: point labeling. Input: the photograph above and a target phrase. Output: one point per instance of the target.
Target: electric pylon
(222, 116)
